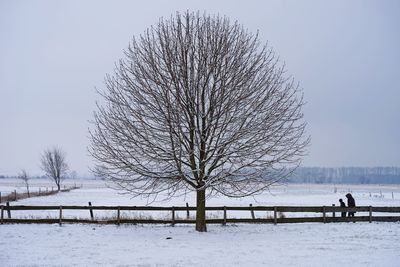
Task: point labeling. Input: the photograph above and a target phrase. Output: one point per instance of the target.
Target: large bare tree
(54, 164)
(198, 104)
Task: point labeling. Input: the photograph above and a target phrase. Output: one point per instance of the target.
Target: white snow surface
(307, 244)
(344, 244)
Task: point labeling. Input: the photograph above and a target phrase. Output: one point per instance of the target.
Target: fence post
(252, 211)
(275, 216)
(118, 216)
(187, 211)
(8, 210)
(2, 213)
(91, 211)
(370, 214)
(333, 212)
(60, 222)
(224, 222)
(15, 195)
(173, 216)
(324, 213)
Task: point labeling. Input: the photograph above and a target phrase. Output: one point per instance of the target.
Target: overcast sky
(345, 54)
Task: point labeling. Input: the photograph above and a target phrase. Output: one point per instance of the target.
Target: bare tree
(54, 164)
(24, 176)
(197, 104)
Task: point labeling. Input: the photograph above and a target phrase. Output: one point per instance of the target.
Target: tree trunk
(201, 211)
(58, 187)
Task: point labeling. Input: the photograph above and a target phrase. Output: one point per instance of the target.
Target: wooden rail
(328, 214)
(315, 209)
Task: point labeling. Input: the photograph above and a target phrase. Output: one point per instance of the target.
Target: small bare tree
(24, 176)
(197, 104)
(54, 164)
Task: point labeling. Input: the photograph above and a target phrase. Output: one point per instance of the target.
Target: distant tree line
(321, 175)
(346, 175)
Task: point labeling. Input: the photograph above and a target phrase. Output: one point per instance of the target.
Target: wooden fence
(325, 214)
(46, 191)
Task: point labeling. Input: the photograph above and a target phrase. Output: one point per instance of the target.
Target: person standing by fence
(342, 205)
(351, 203)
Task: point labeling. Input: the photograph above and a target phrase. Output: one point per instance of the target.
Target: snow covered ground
(309, 244)
(291, 194)
(345, 244)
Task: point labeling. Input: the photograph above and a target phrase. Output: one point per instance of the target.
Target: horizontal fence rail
(329, 214)
(317, 209)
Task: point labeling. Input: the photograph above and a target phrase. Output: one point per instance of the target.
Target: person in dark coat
(342, 205)
(350, 203)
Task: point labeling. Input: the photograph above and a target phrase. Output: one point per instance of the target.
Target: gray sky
(345, 54)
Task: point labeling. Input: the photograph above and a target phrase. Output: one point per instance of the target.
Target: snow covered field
(99, 193)
(309, 244)
(346, 244)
